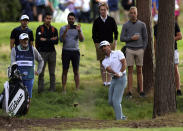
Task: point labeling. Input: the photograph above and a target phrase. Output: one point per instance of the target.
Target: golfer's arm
(109, 69)
(123, 61)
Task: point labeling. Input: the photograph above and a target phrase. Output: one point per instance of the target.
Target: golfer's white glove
(120, 74)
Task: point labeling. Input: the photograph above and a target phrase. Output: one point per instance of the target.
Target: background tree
(9, 10)
(144, 8)
(164, 91)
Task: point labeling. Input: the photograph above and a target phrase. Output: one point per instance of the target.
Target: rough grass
(92, 96)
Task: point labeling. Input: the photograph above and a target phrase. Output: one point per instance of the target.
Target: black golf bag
(14, 99)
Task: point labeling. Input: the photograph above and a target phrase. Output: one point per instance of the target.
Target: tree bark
(164, 91)
(144, 8)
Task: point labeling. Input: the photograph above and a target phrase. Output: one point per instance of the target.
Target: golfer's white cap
(104, 43)
(23, 36)
(23, 17)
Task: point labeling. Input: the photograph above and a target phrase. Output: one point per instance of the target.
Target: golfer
(115, 63)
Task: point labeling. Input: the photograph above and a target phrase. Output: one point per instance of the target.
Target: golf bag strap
(6, 87)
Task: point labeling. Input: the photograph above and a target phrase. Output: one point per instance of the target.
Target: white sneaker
(108, 83)
(123, 118)
(105, 83)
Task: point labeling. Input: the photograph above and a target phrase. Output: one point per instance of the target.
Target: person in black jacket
(103, 29)
(46, 39)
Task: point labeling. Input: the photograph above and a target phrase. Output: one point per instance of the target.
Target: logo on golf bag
(16, 103)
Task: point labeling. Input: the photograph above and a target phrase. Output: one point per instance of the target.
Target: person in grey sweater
(134, 33)
(70, 35)
(25, 55)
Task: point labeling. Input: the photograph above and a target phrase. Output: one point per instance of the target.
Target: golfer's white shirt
(113, 61)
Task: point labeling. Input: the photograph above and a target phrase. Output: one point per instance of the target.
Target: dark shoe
(129, 95)
(142, 94)
(179, 93)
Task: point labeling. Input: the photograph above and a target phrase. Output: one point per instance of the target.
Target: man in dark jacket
(46, 39)
(103, 29)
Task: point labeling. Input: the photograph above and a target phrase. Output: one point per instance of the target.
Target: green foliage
(9, 10)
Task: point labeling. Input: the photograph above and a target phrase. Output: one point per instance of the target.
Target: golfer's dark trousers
(50, 58)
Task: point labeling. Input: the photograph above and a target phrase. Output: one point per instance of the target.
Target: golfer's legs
(117, 96)
(110, 93)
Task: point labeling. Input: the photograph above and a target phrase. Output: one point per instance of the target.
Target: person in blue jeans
(115, 63)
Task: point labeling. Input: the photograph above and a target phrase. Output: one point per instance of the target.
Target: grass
(129, 129)
(92, 96)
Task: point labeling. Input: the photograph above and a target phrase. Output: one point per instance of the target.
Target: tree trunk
(144, 8)
(164, 91)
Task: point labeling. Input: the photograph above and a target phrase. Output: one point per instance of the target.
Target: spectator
(85, 11)
(115, 64)
(95, 4)
(77, 9)
(126, 4)
(178, 36)
(54, 4)
(70, 5)
(134, 33)
(41, 8)
(155, 6)
(69, 35)
(177, 9)
(24, 55)
(23, 28)
(27, 8)
(103, 29)
(62, 4)
(95, 10)
(113, 10)
(46, 39)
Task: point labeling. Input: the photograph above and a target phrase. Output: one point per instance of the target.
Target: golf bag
(14, 99)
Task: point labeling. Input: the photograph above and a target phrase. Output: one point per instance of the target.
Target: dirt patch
(82, 123)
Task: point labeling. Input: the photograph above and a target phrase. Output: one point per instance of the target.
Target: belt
(114, 77)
